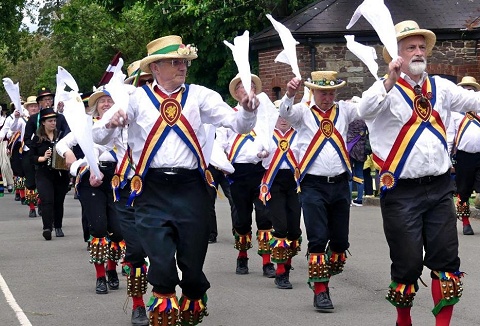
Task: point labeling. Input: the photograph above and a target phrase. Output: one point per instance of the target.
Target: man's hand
(292, 87)
(60, 106)
(16, 114)
(94, 182)
(69, 158)
(250, 103)
(263, 154)
(119, 119)
(394, 69)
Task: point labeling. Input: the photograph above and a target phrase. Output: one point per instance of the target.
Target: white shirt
(386, 113)
(470, 141)
(328, 163)
(203, 106)
(273, 147)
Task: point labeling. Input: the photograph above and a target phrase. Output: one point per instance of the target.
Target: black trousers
(29, 171)
(220, 181)
(171, 216)
(134, 253)
(99, 208)
(326, 211)
(245, 188)
(16, 161)
(284, 206)
(52, 187)
(416, 216)
(467, 175)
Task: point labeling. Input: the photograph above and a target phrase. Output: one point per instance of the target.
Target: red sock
(403, 316)
(242, 254)
(319, 287)
(445, 315)
(31, 205)
(137, 302)
(266, 258)
(111, 265)
(22, 193)
(17, 192)
(280, 269)
(100, 269)
(39, 201)
(289, 261)
(465, 221)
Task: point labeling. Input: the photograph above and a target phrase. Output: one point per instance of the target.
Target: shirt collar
(181, 87)
(410, 80)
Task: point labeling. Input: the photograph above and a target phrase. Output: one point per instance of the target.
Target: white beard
(417, 68)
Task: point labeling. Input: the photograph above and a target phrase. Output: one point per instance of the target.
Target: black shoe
(59, 233)
(139, 317)
(242, 266)
(32, 213)
(282, 282)
(101, 287)
(17, 197)
(39, 210)
(113, 282)
(269, 270)
(10, 189)
(47, 234)
(23, 201)
(212, 238)
(322, 302)
(467, 230)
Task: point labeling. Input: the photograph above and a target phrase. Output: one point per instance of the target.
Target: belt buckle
(330, 179)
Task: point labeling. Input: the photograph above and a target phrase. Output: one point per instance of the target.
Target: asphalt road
(52, 283)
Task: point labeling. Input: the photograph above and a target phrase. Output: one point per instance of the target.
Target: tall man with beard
(406, 114)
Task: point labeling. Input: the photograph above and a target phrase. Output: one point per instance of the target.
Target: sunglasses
(423, 101)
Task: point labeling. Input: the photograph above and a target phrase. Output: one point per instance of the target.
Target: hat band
(166, 49)
(49, 115)
(326, 82)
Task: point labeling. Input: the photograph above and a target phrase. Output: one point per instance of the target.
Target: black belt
(423, 180)
(107, 164)
(334, 179)
(181, 171)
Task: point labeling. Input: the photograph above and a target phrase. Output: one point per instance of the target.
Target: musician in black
(52, 185)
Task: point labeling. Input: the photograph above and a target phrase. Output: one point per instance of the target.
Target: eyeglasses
(46, 98)
(423, 101)
(178, 62)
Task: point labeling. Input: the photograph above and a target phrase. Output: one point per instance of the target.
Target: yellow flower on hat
(187, 49)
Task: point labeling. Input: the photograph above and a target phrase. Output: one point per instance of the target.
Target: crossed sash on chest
(238, 142)
(283, 153)
(470, 119)
(170, 118)
(423, 117)
(326, 133)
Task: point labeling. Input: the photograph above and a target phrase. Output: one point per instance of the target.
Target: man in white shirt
(166, 135)
(324, 172)
(407, 114)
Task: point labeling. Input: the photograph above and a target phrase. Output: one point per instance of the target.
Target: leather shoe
(212, 238)
(17, 197)
(242, 266)
(101, 287)
(467, 230)
(59, 233)
(39, 210)
(32, 213)
(139, 317)
(269, 270)
(322, 302)
(282, 282)
(113, 282)
(47, 234)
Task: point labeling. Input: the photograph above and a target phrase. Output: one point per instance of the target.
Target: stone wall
(453, 58)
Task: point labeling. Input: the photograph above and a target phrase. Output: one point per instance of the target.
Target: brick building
(320, 30)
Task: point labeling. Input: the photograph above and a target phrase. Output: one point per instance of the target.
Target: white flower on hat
(187, 49)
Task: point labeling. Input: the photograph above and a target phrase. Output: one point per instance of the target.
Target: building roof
(326, 21)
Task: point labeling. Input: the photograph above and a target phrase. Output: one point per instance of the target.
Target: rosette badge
(187, 49)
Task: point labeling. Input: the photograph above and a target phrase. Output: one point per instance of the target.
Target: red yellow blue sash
(283, 153)
(170, 118)
(423, 117)
(326, 133)
(238, 143)
(14, 138)
(120, 178)
(468, 119)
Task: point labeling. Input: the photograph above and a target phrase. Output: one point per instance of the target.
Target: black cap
(44, 91)
(47, 113)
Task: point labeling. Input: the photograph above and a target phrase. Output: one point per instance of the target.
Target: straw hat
(30, 100)
(469, 81)
(234, 82)
(44, 91)
(132, 71)
(167, 47)
(410, 28)
(325, 80)
(97, 93)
